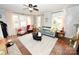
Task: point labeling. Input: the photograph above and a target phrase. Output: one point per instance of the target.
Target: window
(22, 20)
(29, 18)
(16, 21)
(57, 20)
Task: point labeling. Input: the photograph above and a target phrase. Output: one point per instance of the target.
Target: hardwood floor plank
(22, 48)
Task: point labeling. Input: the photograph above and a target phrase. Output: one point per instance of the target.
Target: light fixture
(30, 9)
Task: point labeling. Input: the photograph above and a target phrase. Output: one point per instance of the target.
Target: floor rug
(13, 50)
(42, 47)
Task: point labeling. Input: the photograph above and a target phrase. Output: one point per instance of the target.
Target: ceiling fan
(31, 7)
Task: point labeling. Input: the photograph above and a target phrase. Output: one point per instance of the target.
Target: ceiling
(19, 8)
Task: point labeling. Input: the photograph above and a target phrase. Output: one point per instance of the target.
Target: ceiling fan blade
(35, 6)
(36, 9)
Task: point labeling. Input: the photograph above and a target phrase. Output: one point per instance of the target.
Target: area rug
(13, 50)
(42, 47)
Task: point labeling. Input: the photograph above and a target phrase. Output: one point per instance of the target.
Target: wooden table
(62, 48)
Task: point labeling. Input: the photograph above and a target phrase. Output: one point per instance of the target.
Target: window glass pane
(29, 18)
(57, 20)
(16, 21)
(22, 20)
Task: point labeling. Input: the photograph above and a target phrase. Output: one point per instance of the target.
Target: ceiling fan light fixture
(30, 9)
(30, 5)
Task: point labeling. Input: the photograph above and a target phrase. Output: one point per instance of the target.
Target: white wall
(2, 13)
(10, 26)
(47, 20)
(71, 18)
(36, 21)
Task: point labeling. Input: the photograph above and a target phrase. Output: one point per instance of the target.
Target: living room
(43, 29)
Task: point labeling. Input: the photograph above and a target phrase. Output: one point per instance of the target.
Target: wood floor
(60, 48)
(23, 50)
(21, 47)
